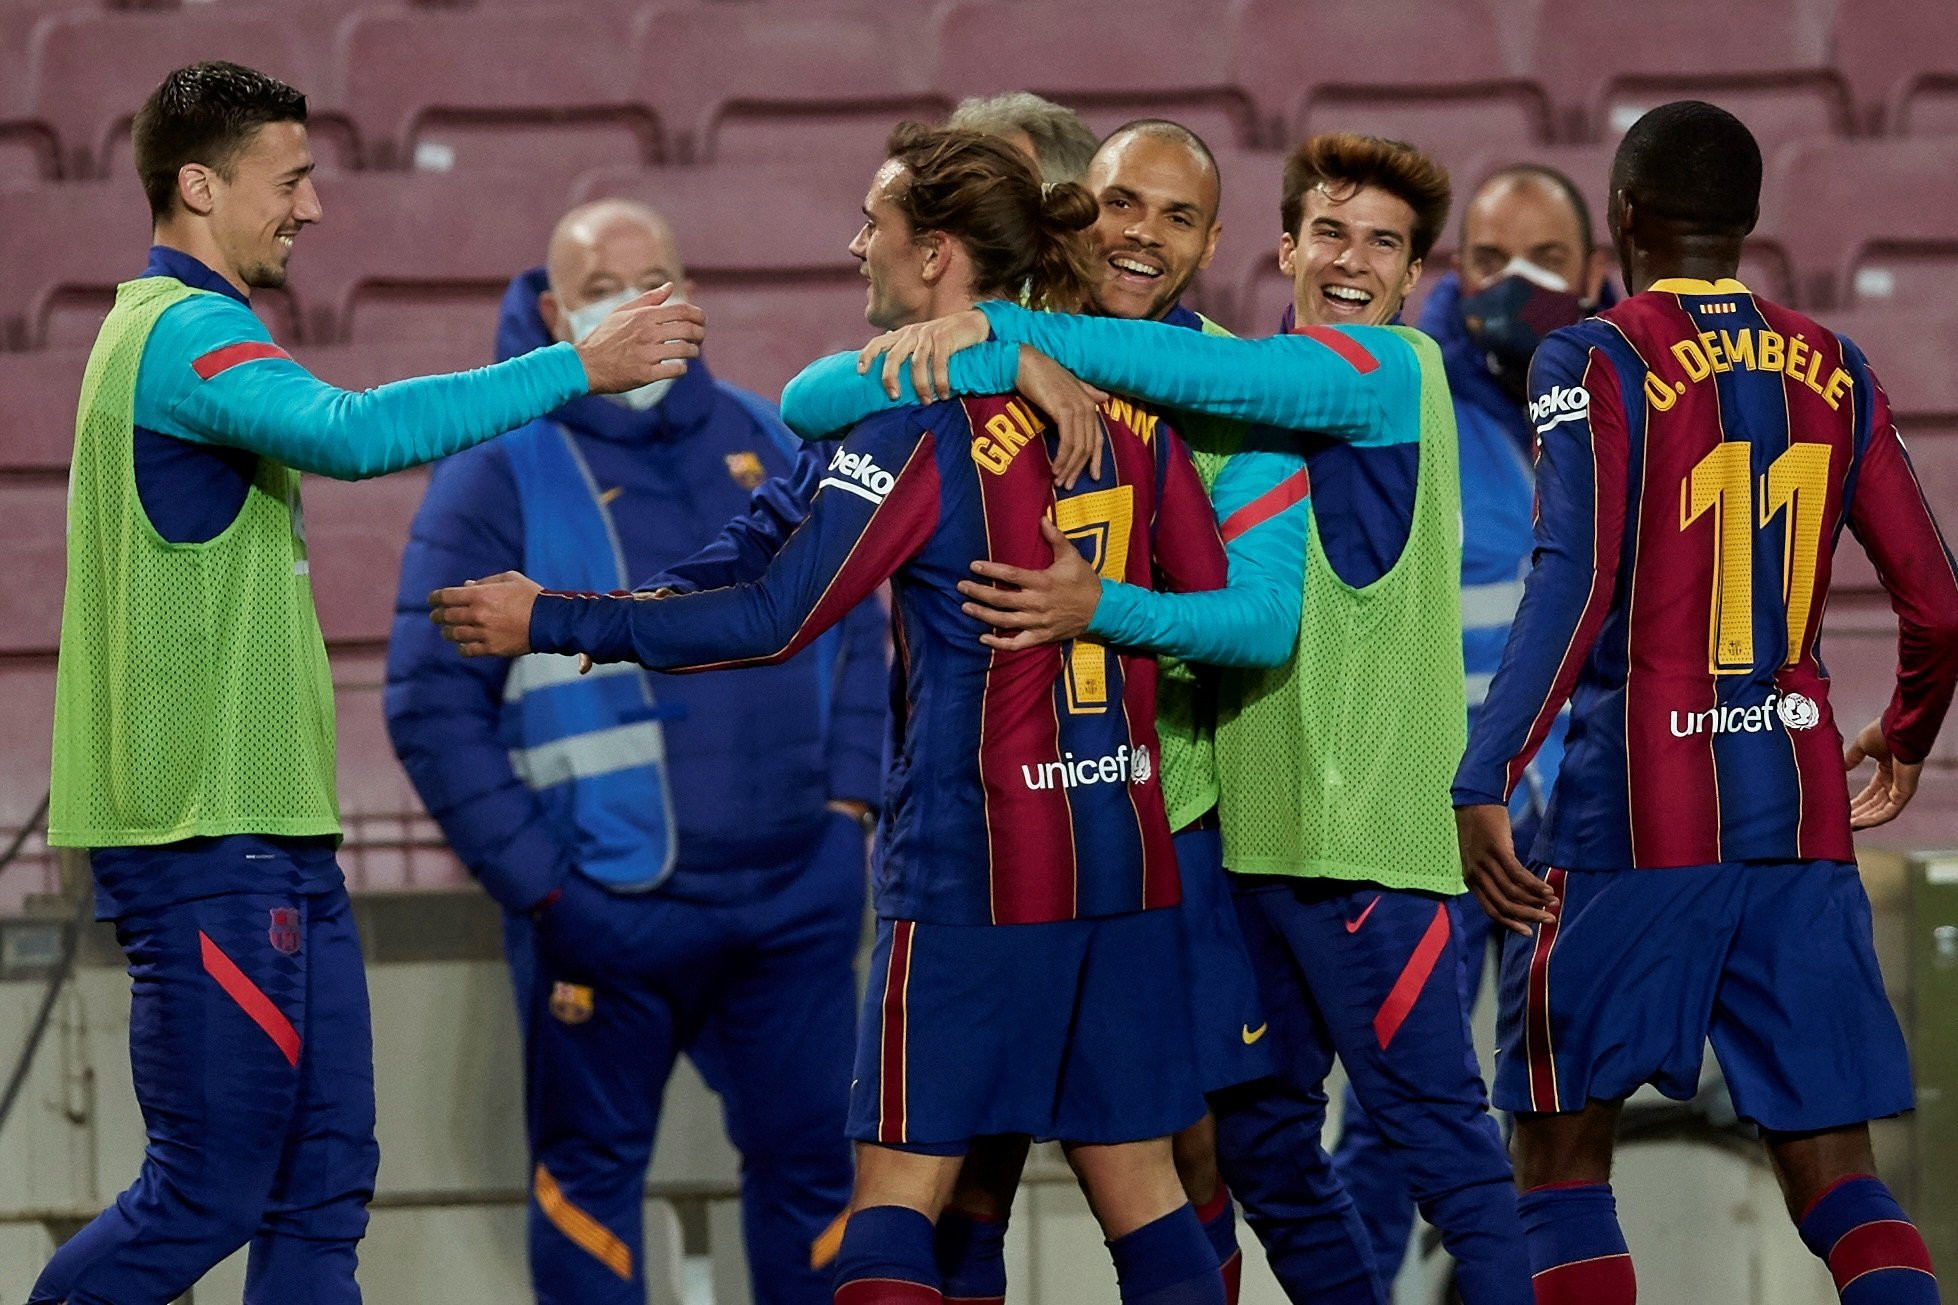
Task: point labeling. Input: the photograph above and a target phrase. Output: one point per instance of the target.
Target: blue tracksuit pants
(1370, 975)
(254, 1067)
(759, 990)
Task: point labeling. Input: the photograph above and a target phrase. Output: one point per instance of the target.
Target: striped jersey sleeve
(1578, 412)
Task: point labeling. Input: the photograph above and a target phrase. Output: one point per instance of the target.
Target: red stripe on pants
(1414, 977)
(1607, 1280)
(891, 1063)
(1873, 1247)
(250, 998)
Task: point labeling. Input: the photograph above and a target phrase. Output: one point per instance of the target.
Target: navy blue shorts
(1077, 1030)
(1227, 1018)
(1771, 961)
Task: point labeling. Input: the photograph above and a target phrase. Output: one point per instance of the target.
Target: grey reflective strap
(1478, 688)
(1484, 606)
(535, 671)
(584, 756)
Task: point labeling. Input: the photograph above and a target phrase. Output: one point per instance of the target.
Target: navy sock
(1168, 1262)
(972, 1258)
(1873, 1251)
(886, 1259)
(1220, 1226)
(1577, 1251)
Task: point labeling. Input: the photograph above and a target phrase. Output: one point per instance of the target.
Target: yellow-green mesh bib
(192, 696)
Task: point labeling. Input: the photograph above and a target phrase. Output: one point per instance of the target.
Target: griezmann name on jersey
(1023, 787)
(1700, 451)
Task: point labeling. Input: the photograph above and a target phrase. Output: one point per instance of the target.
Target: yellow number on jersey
(1722, 482)
(1105, 518)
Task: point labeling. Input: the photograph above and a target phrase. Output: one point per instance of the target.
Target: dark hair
(1061, 140)
(1022, 236)
(1553, 178)
(1344, 161)
(205, 113)
(1693, 162)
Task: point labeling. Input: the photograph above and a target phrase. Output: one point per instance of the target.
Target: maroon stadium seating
(1888, 197)
(37, 422)
(760, 82)
(354, 537)
(438, 89)
(1112, 61)
(33, 530)
(1416, 70)
(63, 240)
(1765, 60)
(1902, 62)
(88, 69)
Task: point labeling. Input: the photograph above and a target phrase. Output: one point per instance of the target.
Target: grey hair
(1061, 140)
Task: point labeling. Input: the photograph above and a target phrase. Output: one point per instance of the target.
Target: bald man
(1527, 265)
(680, 858)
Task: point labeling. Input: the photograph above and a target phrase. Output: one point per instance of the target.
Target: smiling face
(891, 259)
(1158, 224)
(257, 211)
(1351, 260)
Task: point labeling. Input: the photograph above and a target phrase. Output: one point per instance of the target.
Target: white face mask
(583, 321)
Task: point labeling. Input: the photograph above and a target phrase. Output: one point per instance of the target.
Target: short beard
(264, 276)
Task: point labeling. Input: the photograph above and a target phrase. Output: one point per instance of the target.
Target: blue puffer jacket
(751, 755)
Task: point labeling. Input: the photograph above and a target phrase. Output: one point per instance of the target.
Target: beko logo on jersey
(1795, 711)
(1563, 403)
(1126, 766)
(859, 474)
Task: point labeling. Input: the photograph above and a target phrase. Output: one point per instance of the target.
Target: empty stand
(1111, 61)
(765, 82)
(545, 89)
(1415, 70)
(1891, 199)
(390, 841)
(354, 536)
(37, 422)
(76, 237)
(33, 529)
(1901, 61)
(1766, 61)
(89, 69)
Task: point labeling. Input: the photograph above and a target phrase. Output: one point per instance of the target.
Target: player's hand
(928, 347)
(644, 341)
(1074, 405)
(1512, 896)
(1037, 607)
(488, 617)
(1892, 786)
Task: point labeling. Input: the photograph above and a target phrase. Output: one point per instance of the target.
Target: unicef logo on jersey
(1125, 765)
(1794, 711)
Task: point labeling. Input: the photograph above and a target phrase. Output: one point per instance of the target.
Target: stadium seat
(1112, 61)
(390, 842)
(66, 238)
(354, 536)
(1900, 61)
(89, 68)
(1912, 354)
(33, 530)
(26, 743)
(546, 89)
(37, 424)
(1415, 70)
(419, 255)
(1890, 200)
(1757, 58)
(760, 336)
(768, 82)
(1252, 180)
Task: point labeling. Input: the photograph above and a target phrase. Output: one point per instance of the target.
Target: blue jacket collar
(1178, 315)
(685, 409)
(165, 261)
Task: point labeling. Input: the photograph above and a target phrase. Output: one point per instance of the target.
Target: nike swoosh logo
(1251, 1035)
(1353, 926)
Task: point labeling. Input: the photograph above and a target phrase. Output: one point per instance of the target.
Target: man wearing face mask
(680, 858)
(1527, 267)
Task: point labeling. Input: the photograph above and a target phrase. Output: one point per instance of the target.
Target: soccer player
(1701, 450)
(193, 738)
(1339, 845)
(1027, 977)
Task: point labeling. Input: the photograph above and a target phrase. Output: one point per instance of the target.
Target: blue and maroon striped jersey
(1023, 784)
(1699, 452)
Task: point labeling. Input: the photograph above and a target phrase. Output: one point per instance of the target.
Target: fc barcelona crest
(570, 1003)
(284, 933)
(746, 469)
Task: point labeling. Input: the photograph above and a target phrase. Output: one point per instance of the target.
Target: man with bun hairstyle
(1028, 976)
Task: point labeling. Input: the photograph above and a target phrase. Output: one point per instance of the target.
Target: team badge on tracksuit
(571, 1003)
(284, 931)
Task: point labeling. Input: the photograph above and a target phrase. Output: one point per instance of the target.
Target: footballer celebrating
(1701, 450)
